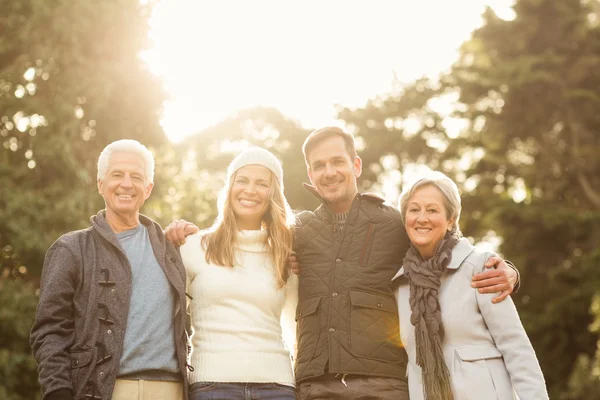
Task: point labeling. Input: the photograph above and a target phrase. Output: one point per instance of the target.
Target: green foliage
(18, 369)
(585, 378)
(18, 301)
(71, 81)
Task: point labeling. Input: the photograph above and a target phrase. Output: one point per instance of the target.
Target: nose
(126, 182)
(329, 170)
(421, 217)
(250, 188)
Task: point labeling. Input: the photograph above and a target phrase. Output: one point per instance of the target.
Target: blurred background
(503, 96)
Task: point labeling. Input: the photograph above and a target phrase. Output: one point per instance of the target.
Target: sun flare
(301, 57)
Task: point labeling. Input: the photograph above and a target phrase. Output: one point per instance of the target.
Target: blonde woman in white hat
(243, 295)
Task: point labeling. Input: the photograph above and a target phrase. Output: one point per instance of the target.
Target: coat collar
(459, 253)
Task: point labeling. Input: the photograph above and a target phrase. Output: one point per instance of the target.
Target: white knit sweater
(238, 314)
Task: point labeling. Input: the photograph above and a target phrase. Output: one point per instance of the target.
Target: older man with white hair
(110, 323)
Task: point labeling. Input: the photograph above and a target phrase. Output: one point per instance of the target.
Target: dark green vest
(347, 314)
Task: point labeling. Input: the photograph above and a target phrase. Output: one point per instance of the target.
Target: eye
(117, 174)
(413, 210)
(264, 184)
(432, 210)
(317, 167)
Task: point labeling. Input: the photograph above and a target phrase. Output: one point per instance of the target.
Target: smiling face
(426, 221)
(124, 186)
(334, 172)
(250, 196)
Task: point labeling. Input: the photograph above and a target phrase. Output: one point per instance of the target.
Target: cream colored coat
(487, 351)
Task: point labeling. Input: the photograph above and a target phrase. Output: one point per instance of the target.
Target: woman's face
(250, 194)
(426, 220)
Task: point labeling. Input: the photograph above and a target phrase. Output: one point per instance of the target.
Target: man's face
(334, 172)
(124, 186)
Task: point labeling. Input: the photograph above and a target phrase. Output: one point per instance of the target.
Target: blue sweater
(149, 345)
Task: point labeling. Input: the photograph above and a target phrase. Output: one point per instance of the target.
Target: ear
(450, 224)
(148, 190)
(310, 177)
(100, 186)
(357, 166)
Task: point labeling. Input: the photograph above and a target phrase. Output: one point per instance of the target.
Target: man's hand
(501, 279)
(177, 230)
(293, 264)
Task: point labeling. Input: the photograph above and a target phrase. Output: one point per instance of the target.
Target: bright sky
(302, 57)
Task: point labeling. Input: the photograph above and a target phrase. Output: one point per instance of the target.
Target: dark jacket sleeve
(53, 330)
(518, 283)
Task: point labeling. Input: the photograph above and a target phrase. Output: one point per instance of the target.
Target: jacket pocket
(473, 371)
(79, 360)
(307, 316)
(374, 330)
(474, 353)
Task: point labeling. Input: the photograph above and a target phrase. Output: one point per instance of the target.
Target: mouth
(125, 196)
(247, 203)
(423, 230)
(331, 185)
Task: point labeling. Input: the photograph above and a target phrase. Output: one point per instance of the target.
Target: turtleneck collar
(253, 240)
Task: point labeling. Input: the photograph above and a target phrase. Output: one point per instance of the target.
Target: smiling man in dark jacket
(110, 323)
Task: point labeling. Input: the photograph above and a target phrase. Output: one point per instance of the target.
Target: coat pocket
(473, 372)
(79, 360)
(374, 331)
(307, 316)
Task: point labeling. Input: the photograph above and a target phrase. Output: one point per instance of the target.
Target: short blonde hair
(445, 185)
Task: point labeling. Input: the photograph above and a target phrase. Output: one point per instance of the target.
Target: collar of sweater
(253, 241)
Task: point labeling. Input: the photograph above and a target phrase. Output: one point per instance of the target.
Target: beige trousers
(147, 390)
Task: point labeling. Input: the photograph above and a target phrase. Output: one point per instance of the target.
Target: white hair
(445, 185)
(126, 146)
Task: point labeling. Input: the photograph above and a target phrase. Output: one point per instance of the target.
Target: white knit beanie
(257, 156)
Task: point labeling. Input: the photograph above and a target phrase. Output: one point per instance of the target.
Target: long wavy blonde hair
(219, 240)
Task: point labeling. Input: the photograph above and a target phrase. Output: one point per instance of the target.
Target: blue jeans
(241, 391)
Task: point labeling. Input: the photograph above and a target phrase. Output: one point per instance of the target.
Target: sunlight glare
(302, 58)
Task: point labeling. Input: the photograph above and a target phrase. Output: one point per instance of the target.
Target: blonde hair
(219, 240)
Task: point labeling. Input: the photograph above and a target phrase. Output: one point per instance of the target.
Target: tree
(71, 81)
(18, 300)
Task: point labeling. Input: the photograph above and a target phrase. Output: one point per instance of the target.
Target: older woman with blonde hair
(243, 295)
(460, 345)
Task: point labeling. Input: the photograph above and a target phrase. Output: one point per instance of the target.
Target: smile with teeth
(423, 230)
(331, 185)
(125, 196)
(248, 203)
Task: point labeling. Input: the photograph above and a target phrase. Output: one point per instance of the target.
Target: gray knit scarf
(424, 277)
